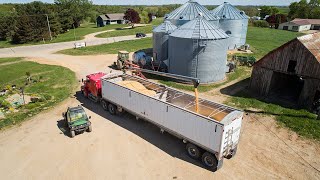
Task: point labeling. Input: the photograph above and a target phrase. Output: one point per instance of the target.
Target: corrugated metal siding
(238, 29)
(208, 63)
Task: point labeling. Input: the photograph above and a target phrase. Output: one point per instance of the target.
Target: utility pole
(74, 32)
(49, 27)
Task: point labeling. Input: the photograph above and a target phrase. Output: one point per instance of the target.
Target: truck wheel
(89, 129)
(209, 160)
(112, 109)
(104, 105)
(72, 134)
(193, 151)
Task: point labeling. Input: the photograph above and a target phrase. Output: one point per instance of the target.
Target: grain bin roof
(191, 10)
(312, 43)
(166, 26)
(227, 11)
(199, 28)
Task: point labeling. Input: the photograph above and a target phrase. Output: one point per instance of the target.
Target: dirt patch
(17, 99)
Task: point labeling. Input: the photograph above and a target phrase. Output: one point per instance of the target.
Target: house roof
(190, 10)
(227, 11)
(103, 17)
(310, 41)
(199, 28)
(301, 22)
(116, 16)
(310, 21)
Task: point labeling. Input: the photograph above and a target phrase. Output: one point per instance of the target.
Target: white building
(301, 25)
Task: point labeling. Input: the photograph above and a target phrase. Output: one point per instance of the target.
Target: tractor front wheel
(89, 129)
(72, 134)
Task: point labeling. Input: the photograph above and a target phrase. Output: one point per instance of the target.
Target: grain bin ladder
(195, 81)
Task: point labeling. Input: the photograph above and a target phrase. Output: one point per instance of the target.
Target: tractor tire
(72, 134)
(104, 105)
(112, 109)
(209, 161)
(89, 129)
(193, 151)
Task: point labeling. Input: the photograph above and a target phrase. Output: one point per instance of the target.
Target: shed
(234, 22)
(106, 19)
(301, 25)
(189, 11)
(290, 72)
(198, 49)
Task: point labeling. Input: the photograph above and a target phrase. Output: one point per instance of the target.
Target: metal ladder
(228, 142)
(195, 49)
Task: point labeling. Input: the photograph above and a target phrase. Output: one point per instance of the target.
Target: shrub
(261, 23)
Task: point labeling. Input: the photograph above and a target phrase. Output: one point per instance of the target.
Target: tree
(276, 19)
(268, 10)
(24, 31)
(132, 16)
(144, 18)
(77, 10)
(303, 9)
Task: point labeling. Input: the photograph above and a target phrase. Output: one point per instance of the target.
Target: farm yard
(151, 126)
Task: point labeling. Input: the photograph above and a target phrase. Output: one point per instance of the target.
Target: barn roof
(227, 11)
(310, 41)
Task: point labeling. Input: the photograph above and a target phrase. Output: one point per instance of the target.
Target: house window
(292, 66)
(295, 28)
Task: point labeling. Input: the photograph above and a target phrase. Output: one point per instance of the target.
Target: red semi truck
(91, 87)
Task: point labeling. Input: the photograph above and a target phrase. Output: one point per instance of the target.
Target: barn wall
(260, 80)
(309, 89)
(307, 65)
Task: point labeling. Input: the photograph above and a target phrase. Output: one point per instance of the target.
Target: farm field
(51, 84)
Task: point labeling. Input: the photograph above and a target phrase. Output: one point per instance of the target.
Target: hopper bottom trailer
(211, 132)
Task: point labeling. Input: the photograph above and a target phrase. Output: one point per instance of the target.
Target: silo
(160, 40)
(234, 22)
(189, 11)
(198, 49)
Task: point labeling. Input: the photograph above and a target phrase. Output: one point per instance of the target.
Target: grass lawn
(56, 84)
(263, 40)
(300, 121)
(69, 36)
(125, 32)
(113, 48)
(9, 60)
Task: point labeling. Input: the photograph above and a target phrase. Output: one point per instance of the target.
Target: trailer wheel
(72, 134)
(112, 109)
(209, 160)
(193, 151)
(104, 105)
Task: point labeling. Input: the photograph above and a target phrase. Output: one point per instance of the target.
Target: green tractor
(122, 57)
(77, 120)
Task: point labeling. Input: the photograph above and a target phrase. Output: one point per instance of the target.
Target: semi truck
(210, 130)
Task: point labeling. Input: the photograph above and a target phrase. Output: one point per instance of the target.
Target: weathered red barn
(290, 72)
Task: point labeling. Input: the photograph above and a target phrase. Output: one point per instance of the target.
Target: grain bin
(160, 40)
(198, 49)
(234, 22)
(189, 11)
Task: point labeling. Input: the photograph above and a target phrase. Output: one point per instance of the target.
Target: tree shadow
(241, 89)
(145, 130)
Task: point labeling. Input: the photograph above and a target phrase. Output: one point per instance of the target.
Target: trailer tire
(112, 109)
(209, 161)
(89, 129)
(104, 105)
(72, 134)
(193, 151)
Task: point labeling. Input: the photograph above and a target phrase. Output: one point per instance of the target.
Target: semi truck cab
(91, 87)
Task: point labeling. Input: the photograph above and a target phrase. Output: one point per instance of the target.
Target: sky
(159, 2)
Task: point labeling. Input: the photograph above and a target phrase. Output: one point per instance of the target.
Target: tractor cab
(122, 57)
(92, 86)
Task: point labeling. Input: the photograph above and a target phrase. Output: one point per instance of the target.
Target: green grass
(263, 40)
(68, 36)
(125, 32)
(9, 60)
(113, 48)
(56, 85)
(240, 73)
(300, 121)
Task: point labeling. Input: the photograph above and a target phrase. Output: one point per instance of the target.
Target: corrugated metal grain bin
(234, 22)
(160, 40)
(189, 11)
(198, 49)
